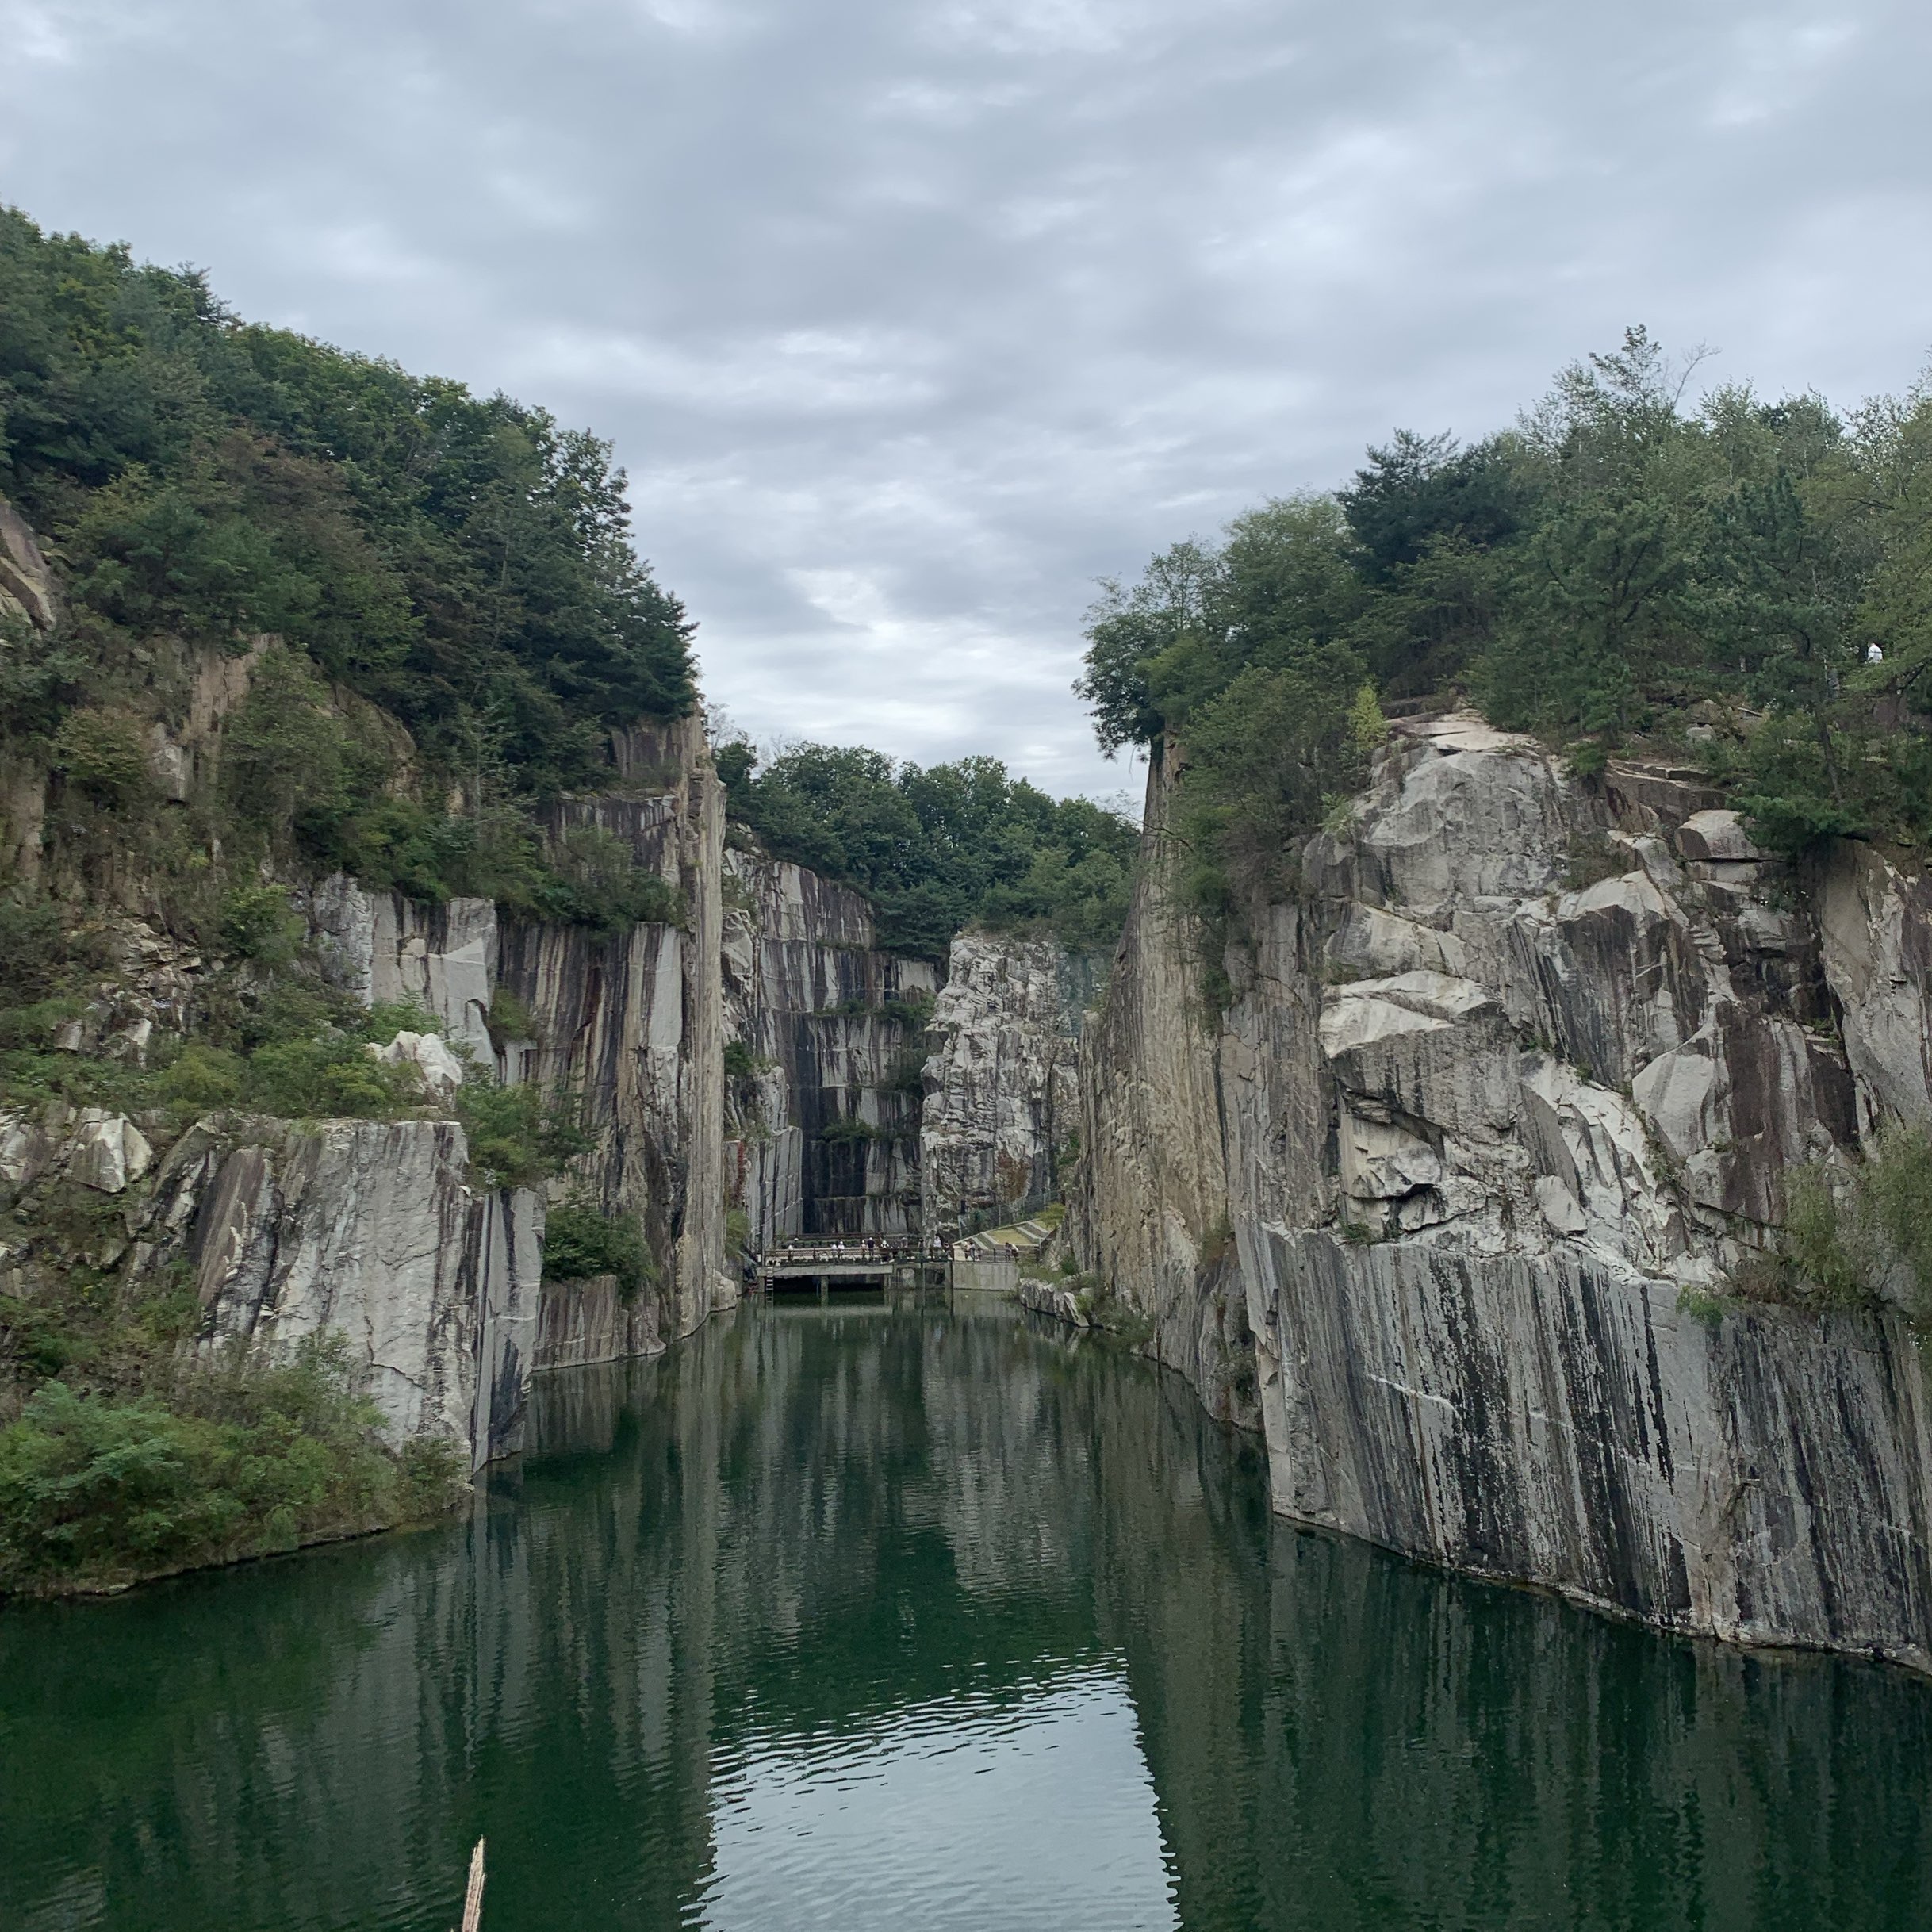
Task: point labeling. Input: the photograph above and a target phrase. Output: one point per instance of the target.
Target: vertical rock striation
(1504, 1094)
(632, 1023)
(825, 1123)
(370, 1231)
(1149, 1208)
(628, 1022)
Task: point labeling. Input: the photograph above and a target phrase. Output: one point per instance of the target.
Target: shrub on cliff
(518, 1137)
(100, 1489)
(1855, 1239)
(464, 564)
(580, 1242)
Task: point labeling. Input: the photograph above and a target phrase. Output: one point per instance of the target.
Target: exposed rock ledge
(366, 1229)
(1528, 1060)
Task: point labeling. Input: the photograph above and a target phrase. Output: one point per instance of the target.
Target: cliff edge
(1458, 1185)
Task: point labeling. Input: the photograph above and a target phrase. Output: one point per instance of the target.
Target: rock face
(90, 1146)
(372, 1230)
(1527, 1062)
(1149, 1208)
(27, 590)
(633, 1022)
(629, 1022)
(369, 1230)
(1875, 924)
(385, 949)
(825, 1123)
(1001, 1099)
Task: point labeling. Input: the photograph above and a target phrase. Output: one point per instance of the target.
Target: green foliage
(455, 559)
(328, 1078)
(1702, 1307)
(906, 1076)
(1853, 1241)
(1368, 729)
(286, 759)
(843, 1133)
(201, 1079)
(592, 879)
(43, 947)
(1281, 589)
(270, 1037)
(510, 1018)
(740, 1062)
(940, 848)
(259, 923)
(1263, 758)
(914, 1012)
(300, 1054)
(1615, 559)
(369, 539)
(518, 1137)
(100, 752)
(99, 1488)
(580, 1242)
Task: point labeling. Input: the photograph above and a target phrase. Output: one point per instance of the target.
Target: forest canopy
(1747, 583)
(463, 562)
(939, 848)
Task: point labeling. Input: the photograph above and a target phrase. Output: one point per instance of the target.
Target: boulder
(106, 1151)
(440, 1071)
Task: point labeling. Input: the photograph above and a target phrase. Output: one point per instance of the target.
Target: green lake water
(860, 1616)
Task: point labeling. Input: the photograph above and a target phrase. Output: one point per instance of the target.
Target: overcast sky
(912, 318)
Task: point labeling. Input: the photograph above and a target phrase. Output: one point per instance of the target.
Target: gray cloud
(910, 318)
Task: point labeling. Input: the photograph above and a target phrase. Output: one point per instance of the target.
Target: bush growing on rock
(1855, 1240)
(97, 1489)
(580, 1242)
(518, 1137)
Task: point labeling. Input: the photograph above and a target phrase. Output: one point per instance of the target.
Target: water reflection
(863, 1616)
(968, 1812)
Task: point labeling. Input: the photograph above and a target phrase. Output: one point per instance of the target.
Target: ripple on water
(966, 1811)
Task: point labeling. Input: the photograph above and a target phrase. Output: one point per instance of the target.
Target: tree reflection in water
(861, 1616)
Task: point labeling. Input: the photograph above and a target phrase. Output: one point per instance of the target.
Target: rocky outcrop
(29, 599)
(368, 1230)
(1509, 1087)
(1001, 1099)
(1875, 921)
(632, 1023)
(628, 1023)
(26, 588)
(1760, 1474)
(387, 948)
(91, 1146)
(825, 1111)
(1149, 1210)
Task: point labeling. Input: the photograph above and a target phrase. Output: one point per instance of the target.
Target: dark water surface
(915, 1617)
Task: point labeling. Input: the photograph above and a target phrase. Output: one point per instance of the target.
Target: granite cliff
(823, 1122)
(1449, 1200)
(379, 1231)
(1001, 1089)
